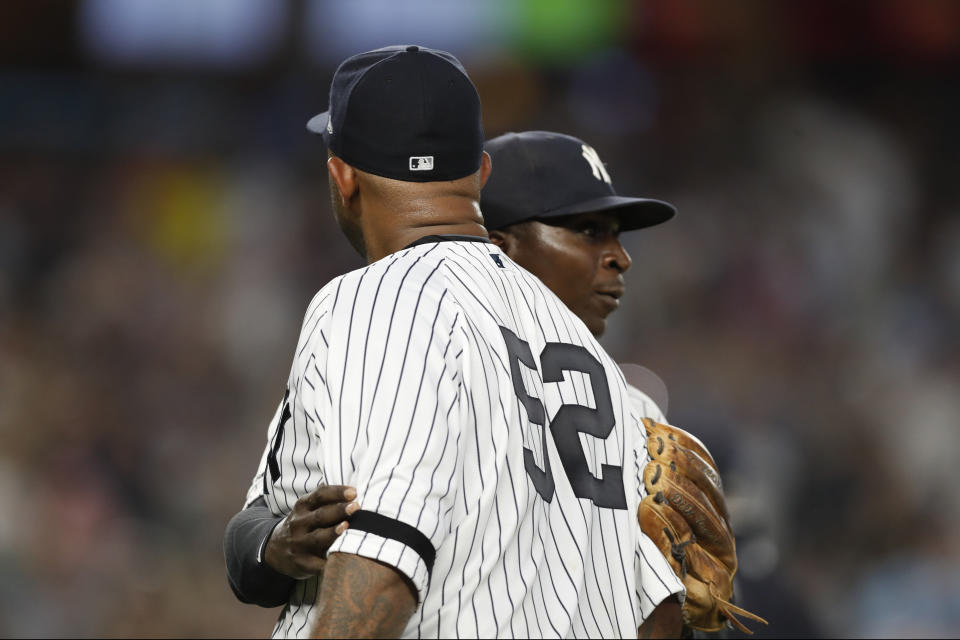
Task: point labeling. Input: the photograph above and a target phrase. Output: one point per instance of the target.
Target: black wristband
(253, 581)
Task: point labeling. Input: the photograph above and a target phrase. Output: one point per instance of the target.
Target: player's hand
(298, 546)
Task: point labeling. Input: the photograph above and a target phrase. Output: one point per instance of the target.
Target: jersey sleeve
(289, 466)
(645, 405)
(393, 422)
(255, 490)
(656, 580)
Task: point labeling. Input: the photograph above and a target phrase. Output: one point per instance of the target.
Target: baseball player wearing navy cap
(552, 207)
(407, 113)
(491, 442)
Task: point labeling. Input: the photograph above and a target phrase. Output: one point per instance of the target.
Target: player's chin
(599, 311)
(596, 323)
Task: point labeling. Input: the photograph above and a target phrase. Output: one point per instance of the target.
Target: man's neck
(390, 231)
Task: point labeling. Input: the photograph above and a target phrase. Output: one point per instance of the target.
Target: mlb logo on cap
(421, 163)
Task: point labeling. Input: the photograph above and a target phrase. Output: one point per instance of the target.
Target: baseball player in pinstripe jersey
(429, 381)
(551, 206)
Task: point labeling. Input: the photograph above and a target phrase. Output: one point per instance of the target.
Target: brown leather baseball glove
(685, 515)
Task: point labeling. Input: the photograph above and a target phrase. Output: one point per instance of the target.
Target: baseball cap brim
(318, 124)
(634, 213)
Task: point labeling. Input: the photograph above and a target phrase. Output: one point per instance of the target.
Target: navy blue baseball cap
(541, 175)
(404, 112)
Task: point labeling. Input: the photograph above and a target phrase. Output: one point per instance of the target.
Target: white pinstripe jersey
(495, 451)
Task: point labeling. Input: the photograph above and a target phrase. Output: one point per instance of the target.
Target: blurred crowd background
(164, 221)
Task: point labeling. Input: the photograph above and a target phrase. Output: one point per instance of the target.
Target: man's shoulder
(409, 282)
(415, 267)
(644, 404)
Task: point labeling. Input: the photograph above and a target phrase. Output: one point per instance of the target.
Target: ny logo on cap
(593, 159)
(421, 163)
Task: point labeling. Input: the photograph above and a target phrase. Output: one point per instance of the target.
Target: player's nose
(615, 257)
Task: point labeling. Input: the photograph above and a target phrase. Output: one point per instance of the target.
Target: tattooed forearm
(362, 598)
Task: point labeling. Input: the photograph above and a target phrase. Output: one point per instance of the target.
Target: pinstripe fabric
(401, 386)
(659, 580)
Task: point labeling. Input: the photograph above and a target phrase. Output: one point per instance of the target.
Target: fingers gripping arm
(265, 553)
(298, 546)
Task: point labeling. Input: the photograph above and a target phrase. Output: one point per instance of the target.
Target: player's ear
(486, 165)
(345, 177)
(502, 240)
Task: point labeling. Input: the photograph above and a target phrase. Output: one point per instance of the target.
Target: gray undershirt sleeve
(244, 541)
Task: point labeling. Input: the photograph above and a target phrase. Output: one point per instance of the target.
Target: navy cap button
(413, 48)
